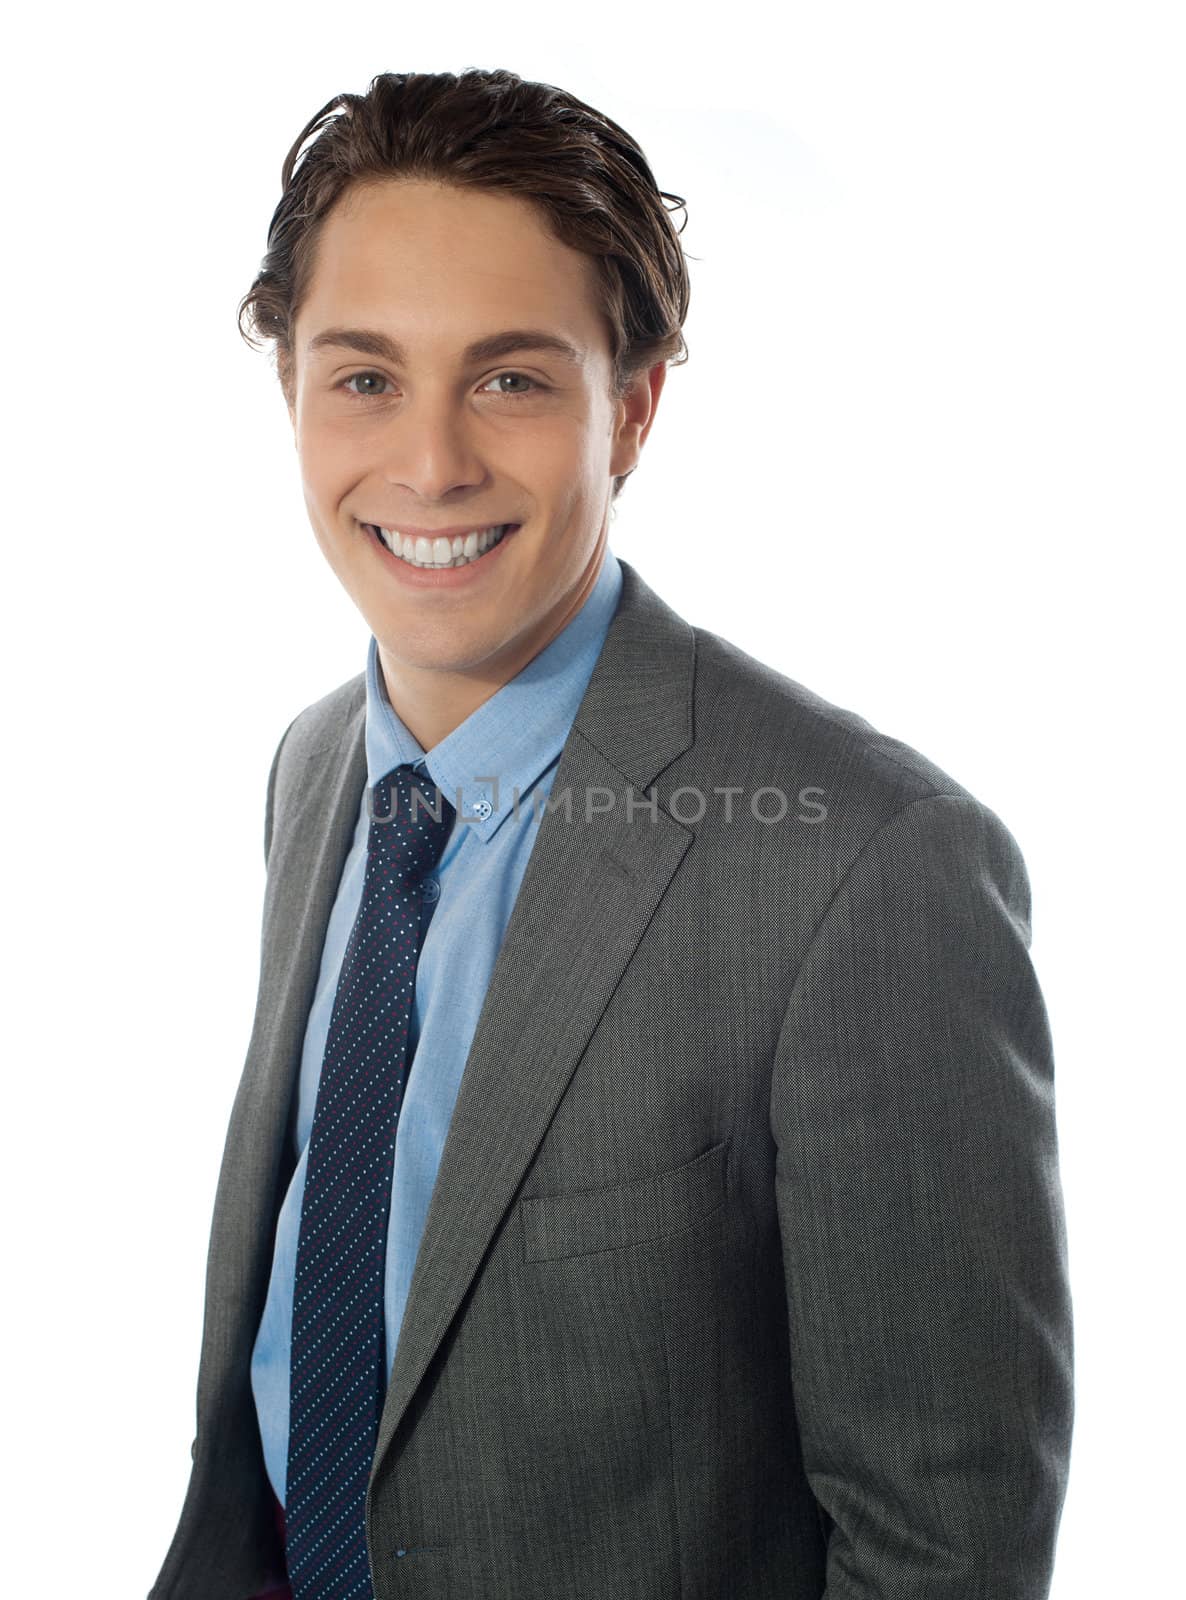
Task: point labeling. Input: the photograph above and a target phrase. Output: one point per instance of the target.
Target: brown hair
(494, 131)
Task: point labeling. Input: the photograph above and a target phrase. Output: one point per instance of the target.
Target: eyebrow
(372, 342)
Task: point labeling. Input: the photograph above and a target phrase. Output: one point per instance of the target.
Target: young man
(643, 1180)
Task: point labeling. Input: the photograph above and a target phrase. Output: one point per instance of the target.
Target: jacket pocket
(560, 1225)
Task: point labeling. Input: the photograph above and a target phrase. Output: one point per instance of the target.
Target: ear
(635, 414)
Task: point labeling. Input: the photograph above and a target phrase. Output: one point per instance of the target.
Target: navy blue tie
(338, 1373)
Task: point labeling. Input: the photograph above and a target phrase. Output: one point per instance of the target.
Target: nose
(430, 450)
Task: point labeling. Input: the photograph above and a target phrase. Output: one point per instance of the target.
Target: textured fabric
(337, 1332)
(497, 770)
(745, 1271)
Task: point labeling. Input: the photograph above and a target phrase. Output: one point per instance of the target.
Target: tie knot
(410, 821)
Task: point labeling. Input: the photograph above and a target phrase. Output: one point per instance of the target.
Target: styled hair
(494, 131)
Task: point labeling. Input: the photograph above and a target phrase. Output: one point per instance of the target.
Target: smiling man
(472, 531)
(644, 1176)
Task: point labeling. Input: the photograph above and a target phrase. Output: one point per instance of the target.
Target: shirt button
(482, 809)
(432, 889)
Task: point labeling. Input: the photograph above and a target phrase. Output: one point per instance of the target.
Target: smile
(435, 555)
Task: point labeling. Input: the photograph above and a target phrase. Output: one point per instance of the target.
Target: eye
(523, 394)
(380, 378)
(357, 377)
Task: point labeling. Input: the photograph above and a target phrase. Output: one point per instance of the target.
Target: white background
(925, 458)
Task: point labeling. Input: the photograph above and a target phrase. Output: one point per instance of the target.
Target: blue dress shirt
(512, 742)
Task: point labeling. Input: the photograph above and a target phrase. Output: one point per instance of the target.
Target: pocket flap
(559, 1225)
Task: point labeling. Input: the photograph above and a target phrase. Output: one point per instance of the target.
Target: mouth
(440, 554)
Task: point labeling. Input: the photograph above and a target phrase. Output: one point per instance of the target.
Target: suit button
(481, 809)
(432, 889)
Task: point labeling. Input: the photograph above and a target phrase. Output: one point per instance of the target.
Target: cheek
(333, 540)
(326, 458)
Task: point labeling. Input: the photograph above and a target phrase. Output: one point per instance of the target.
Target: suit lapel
(589, 891)
(304, 870)
(591, 886)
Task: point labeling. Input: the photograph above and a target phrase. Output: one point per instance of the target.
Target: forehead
(437, 266)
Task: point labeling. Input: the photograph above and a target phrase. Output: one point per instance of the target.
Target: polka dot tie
(338, 1359)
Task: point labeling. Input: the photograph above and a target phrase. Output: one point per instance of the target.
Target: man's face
(426, 437)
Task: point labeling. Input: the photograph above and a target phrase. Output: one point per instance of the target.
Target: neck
(432, 703)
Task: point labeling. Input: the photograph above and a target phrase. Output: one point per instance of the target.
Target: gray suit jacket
(745, 1269)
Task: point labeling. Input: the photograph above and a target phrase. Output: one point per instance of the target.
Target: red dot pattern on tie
(338, 1366)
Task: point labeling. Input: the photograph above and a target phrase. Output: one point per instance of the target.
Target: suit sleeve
(921, 1220)
(269, 810)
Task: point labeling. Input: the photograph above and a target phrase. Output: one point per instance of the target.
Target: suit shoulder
(318, 727)
(746, 711)
(321, 723)
(853, 787)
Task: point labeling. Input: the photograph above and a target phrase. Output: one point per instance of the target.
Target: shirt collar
(510, 741)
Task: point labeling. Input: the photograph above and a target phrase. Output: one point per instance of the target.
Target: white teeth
(441, 552)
